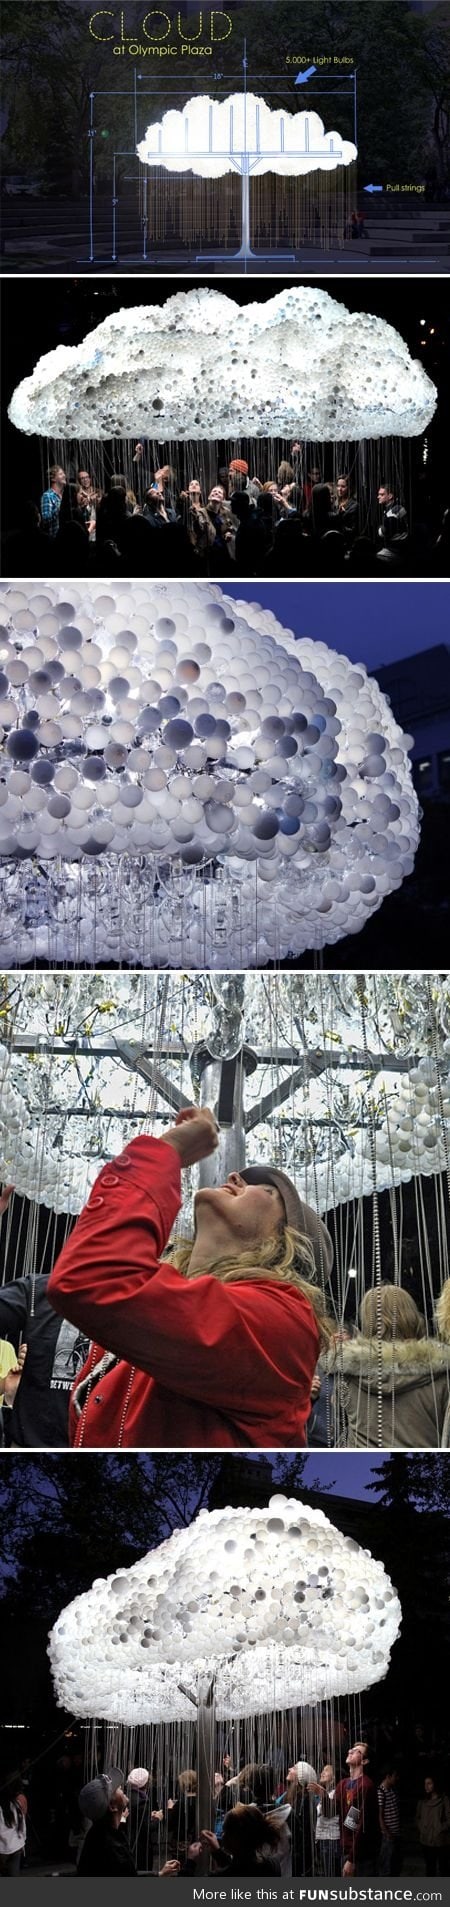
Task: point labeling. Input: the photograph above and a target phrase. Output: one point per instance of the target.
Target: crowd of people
(257, 1272)
(265, 1821)
(291, 524)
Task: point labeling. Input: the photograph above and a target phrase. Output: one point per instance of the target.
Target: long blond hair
(187, 1781)
(276, 1258)
(388, 1312)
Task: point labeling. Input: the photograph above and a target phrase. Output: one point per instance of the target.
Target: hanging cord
(437, 1058)
(362, 996)
(157, 1046)
(97, 1349)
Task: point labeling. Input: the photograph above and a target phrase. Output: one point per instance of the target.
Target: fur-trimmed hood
(407, 1360)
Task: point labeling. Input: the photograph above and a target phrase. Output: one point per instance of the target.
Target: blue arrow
(373, 188)
(302, 77)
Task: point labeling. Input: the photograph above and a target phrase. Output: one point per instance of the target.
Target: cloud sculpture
(167, 723)
(411, 1140)
(208, 137)
(202, 367)
(282, 1607)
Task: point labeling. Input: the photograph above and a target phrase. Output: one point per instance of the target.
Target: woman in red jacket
(215, 1348)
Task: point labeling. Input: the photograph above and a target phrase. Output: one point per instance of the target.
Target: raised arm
(223, 1344)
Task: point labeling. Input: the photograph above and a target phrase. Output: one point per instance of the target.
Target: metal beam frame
(137, 1061)
(310, 1064)
(137, 1058)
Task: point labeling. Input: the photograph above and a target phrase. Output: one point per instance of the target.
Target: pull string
(160, 1030)
(436, 1043)
(362, 996)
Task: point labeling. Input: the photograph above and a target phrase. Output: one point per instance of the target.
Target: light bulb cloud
(208, 137)
(203, 736)
(265, 1599)
(49, 1154)
(203, 367)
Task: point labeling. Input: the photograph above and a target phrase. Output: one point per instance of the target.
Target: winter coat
(13, 1834)
(247, 1865)
(415, 1391)
(443, 1327)
(433, 1820)
(190, 1363)
(106, 1851)
(302, 1835)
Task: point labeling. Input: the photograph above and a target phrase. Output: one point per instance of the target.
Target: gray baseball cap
(94, 1799)
(301, 1217)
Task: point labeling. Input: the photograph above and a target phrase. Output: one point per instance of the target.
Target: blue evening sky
(369, 622)
(347, 1472)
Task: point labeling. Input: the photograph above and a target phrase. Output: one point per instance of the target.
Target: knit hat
(137, 1778)
(299, 1216)
(95, 1797)
(239, 464)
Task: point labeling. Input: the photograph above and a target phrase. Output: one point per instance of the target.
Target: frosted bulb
(230, 750)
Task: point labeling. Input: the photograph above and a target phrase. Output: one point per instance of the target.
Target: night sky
(372, 624)
(348, 1473)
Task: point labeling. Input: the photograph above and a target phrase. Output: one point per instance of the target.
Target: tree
(386, 46)
(66, 1520)
(49, 55)
(289, 1475)
(413, 1481)
(435, 65)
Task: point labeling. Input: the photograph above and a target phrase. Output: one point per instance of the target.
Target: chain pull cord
(125, 1407)
(437, 1057)
(362, 995)
(164, 997)
(93, 1380)
(96, 1351)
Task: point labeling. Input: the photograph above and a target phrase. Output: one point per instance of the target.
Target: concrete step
(434, 248)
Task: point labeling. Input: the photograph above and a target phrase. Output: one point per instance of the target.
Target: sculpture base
(245, 255)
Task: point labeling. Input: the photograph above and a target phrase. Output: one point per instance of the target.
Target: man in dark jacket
(394, 522)
(355, 1800)
(50, 1353)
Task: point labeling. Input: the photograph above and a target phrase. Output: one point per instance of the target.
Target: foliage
(415, 1481)
(66, 1520)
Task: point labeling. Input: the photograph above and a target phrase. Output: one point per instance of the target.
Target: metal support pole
(245, 250)
(114, 213)
(245, 255)
(205, 1769)
(91, 179)
(145, 221)
(222, 1084)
